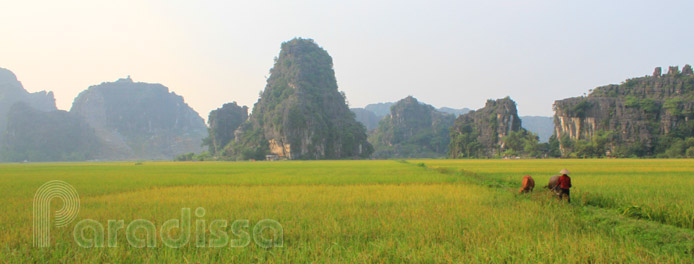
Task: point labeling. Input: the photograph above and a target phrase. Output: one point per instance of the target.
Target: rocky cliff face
(301, 114)
(140, 120)
(12, 91)
(223, 122)
(635, 113)
(479, 133)
(412, 130)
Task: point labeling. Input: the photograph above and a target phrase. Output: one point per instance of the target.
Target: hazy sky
(445, 53)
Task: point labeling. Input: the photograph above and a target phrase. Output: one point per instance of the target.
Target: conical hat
(565, 171)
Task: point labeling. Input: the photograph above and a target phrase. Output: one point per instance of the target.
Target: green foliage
(192, 157)
(552, 148)
(301, 107)
(579, 109)
(223, 122)
(679, 148)
(674, 105)
(251, 145)
(596, 147)
(464, 142)
(523, 143)
(476, 134)
(648, 105)
(412, 130)
(652, 116)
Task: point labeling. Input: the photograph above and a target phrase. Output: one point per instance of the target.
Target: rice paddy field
(414, 211)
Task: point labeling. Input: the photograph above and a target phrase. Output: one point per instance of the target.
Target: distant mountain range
(543, 126)
(370, 115)
(121, 120)
(127, 120)
(302, 115)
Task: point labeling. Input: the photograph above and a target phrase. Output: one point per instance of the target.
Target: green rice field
(414, 211)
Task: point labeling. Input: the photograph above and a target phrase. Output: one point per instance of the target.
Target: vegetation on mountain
(301, 114)
(412, 130)
(223, 122)
(642, 117)
(494, 131)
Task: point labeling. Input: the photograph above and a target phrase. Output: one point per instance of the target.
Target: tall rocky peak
(479, 133)
(9, 85)
(657, 72)
(412, 130)
(673, 70)
(687, 70)
(12, 91)
(140, 120)
(223, 122)
(631, 118)
(301, 114)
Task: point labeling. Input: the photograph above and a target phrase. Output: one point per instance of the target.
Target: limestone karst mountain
(12, 91)
(138, 120)
(301, 114)
(646, 116)
(482, 133)
(223, 122)
(412, 130)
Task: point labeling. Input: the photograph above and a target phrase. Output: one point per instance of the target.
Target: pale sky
(445, 53)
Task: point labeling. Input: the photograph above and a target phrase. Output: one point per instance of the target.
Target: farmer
(564, 185)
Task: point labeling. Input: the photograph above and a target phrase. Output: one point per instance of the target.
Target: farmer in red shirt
(564, 184)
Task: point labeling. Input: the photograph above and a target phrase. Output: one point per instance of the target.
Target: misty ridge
(301, 114)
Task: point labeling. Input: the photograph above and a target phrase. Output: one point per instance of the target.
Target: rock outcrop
(479, 133)
(412, 130)
(223, 122)
(632, 116)
(138, 120)
(301, 114)
(12, 91)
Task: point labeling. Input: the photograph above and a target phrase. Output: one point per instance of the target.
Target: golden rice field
(424, 211)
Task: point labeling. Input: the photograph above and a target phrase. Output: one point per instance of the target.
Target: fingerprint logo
(42, 209)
